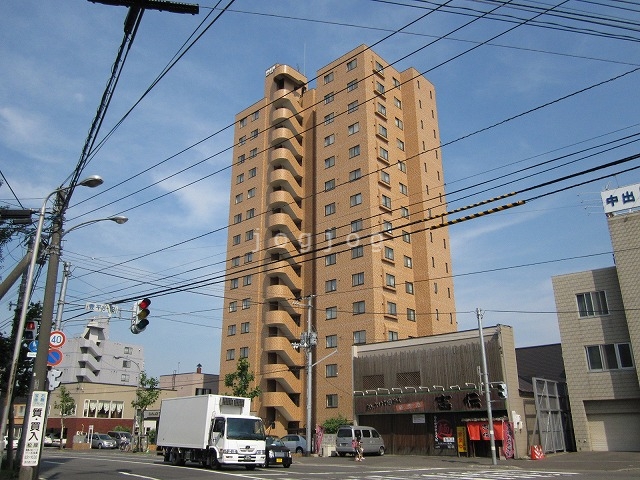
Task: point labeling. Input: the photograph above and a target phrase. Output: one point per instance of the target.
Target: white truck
(213, 430)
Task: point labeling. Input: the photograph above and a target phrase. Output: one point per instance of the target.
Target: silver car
(295, 443)
(102, 440)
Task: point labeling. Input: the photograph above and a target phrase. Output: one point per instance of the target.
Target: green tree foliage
(331, 425)
(147, 394)
(67, 406)
(240, 381)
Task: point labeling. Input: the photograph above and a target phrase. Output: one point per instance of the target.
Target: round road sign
(54, 358)
(57, 339)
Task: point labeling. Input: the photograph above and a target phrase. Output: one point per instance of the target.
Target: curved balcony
(282, 319)
(288, 139)
(282, 246)
(289, 73)
(283, 347)
(287, 159)
(283, 222)
(282, 294)
(283, 199)
(281, 373)
(284, 405)
(289, 99)
(287, 275)
(284, 179)
(288, 119)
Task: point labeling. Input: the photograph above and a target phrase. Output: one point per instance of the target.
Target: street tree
(67, 406)
(147, 394)
(240, 381)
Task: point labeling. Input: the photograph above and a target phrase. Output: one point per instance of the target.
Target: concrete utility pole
(487, 393)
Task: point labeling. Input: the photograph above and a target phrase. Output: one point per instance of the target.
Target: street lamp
(119, 219)
(91, 182)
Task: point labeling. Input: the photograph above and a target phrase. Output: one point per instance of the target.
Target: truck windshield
(245, 429)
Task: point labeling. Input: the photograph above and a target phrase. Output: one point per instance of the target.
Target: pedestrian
(356, 443)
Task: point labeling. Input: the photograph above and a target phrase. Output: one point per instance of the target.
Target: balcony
(281, 373)
(284, 405)
(282, 319)
(283, 200)
(282, 246)
(283, 178)
(283, 222)
(287, 159)
(286, 275)
(288, 119)
(282, 346)
(288, 139)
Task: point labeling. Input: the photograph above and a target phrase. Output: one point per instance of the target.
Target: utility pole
(66, 273)
(487, 393)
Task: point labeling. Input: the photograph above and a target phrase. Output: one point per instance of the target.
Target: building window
(388, 253)
(236, 239)
(387, 227)
(397, 103)
(408, 262)
(331, 313)
(354, 151)
(331, 285)
(244, 352)
(382, 110)
(357, 252)
(252, 172)
(253, 153)
(351, 64)
(386, 201)
(610, 356)
(380, 88)
(358, 307)
(406, 236)
(379, 68)
(242, 140)
(403, 189)
(392, 309)
(231, 330)
(328, 78)
(331, 370)
(248, 257)
(400, 144)
(243, 122)
(251, 213)
(330, 209)
(399, 123)
(233, 306)
(246, 280)
(385, 177)
(330, 233)
(356, 225)
(382, 131)
(255, 115)
(233, 283)
(238, 198)
(237, 218)
(591, 304)
(231, 354)
(404, 212)
(411, 314)
(353, 128)
(357, 279)
(355, 199)
(355, 174)
(329, 140)
(124, 377)
(332, 400)
(330, 259)
(328, 98)
(241, 158)
(251, 192)
(384, 154)
(235, 261)
(248, 235)
(246, 303)
(393, 336)
(329, 184)
(402, 167)
(408, 287)
(360, 336)
(240, 178)
(329, 162)
(254, 133)
(390, 280)
(352, 85)
(331, 341)
(328, 118)
(244, 327)
(352, 107)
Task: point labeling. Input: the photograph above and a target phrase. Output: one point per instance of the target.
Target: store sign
(623, 198)
(34, 429)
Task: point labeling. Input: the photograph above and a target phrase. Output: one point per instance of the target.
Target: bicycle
(125, 446)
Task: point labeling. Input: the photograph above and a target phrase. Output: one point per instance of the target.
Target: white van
(371, 440)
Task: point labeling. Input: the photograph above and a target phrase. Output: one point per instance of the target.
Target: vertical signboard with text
(34, 429)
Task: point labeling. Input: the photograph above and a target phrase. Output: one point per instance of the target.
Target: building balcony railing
(282, 346)
(281, 402)
(282, 319)
(288, 139)
(283, 200)
(288, 118)
(283, 178)
(283, 223)
(281, 373)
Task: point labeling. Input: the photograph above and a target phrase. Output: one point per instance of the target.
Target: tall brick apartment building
(337, 192)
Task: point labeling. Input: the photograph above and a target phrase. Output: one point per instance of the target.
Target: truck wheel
(176, 458)
(250, 467)
(167, 454)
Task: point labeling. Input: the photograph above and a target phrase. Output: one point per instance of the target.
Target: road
(103, 465)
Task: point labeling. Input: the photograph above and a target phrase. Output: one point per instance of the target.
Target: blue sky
(56, 58)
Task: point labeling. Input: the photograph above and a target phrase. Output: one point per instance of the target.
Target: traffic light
(444, 402)
(502, 390)
(30, 330)
(472, 400)
(140, 313)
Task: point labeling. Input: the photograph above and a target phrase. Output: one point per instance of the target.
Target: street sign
(54, 358)
(102, 308)
(33, 346)
(57, 339)
(34, 429)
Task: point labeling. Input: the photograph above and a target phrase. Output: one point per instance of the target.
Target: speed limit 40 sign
(57, 339)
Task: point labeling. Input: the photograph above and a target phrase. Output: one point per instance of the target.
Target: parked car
(102, 440)
(120, 437)
(55, 440)
(6, 442)
(371, 440)
(295, 443)
(47, 441)
(277, 453)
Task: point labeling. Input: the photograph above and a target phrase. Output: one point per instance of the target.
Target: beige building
(337, 192)
(598, 316)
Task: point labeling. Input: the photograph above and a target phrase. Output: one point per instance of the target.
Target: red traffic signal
(30, 330)
(139, 321)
